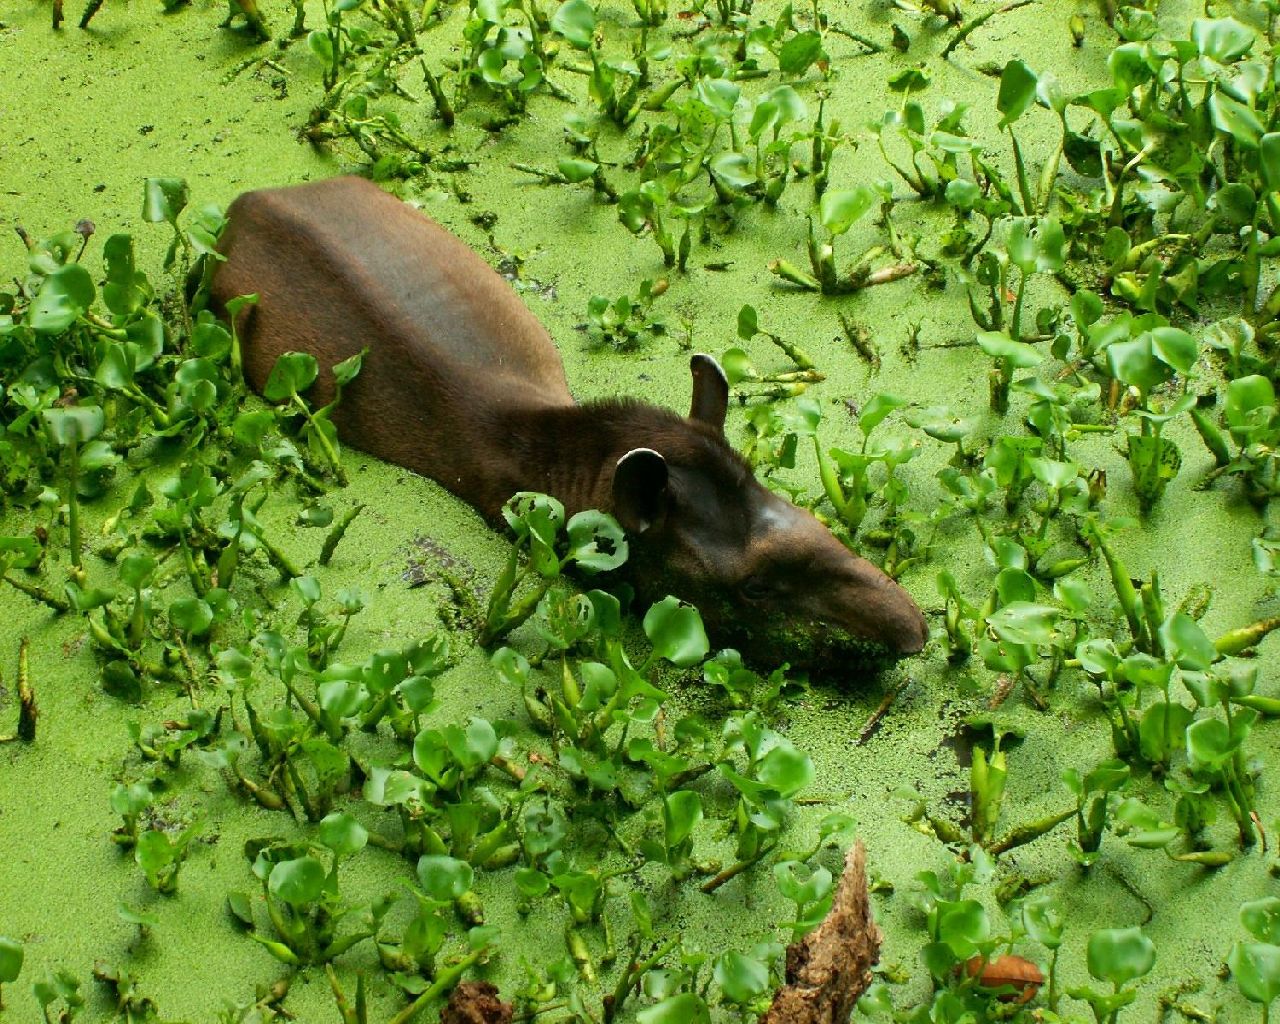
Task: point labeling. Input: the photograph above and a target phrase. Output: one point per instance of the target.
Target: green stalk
(613, 1003)
(444, 981)
(1236, 641)
(1024, 186)
(1211, 435)
(1015, 328)
(1125, 592)
(332, 456)
(731, 872)
(276, 557)
(73, 501)
(37, 593)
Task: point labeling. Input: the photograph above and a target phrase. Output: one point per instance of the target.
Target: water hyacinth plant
(577, 798)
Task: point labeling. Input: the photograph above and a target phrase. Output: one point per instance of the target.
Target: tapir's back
(346, 237)
(339, 265)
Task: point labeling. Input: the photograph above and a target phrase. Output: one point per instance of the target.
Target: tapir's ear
(639, 489)
(710, 392)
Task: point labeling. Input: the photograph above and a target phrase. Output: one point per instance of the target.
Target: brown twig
(979, 21)
(873, 723)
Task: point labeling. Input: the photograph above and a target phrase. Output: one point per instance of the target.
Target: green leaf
(1098, 657)
(1043, 920)
(163, 199)
(297, 882)
(1269, 161)
(774, 109)
(1119, 955)
(1134, 362)
(154, 852)
(1256, 968)
(576, 170)
(120, 680)
(1053, 474)
(512, 666)
(1223, 39)
(292, 374)
(342, 834)
(576, 21)
(874, 412)
(474, 746)
(1018, 354)
(321, 45)
(1209, 743)
(963, 193)
(11, 955)
(1235, 119)
(115, 369)
(675, 629)
(1154, 461)
(596, 542)
(347, 370)
(682, 815)
(839, 210)
(1261, 918)
(1162, 730)
(64, 295)
(249, 428)
(786, 769)
(741, 978)
(191, 615)
(732, 170)
(74, 424)
(128, 915)
(1250, 404)
(939, 422)
(1107, 777)
(719, 95)
(1017, 91)
(685, 1008)
(800, 884)
(123, 291)
(444, 878)
(1186, 643)
(963, 926)
(1175, 348)
(799, 53)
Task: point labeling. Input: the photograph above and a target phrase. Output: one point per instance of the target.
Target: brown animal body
(464, 385)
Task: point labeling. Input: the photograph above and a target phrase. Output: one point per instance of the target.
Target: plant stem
(613, 1003)
(978, 22)
(714, 883)
(445, 980)
(332, 456)
(73, 501)
(38, 593)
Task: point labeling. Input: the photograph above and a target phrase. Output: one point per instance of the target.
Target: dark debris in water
(476, 1002)
(429, 561)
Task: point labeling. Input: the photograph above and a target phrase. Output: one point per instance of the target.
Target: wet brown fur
(463, 384)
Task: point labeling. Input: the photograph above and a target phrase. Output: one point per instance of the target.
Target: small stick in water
(28, 711)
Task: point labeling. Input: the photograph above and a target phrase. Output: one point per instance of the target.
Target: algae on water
(143, 94)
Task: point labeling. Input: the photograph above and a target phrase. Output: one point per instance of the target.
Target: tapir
(463, 384)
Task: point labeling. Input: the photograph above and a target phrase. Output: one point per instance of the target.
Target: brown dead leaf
(476, 1002)
(1016, 972)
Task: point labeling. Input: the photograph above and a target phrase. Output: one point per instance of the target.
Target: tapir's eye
(755, 588)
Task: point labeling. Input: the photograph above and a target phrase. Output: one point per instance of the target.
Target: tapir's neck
(570, 452)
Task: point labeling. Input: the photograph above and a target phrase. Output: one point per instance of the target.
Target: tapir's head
(768, 578)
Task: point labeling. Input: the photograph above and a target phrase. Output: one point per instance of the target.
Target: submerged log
(830, 967)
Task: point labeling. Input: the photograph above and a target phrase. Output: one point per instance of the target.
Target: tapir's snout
(896, 618)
